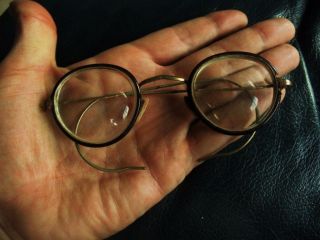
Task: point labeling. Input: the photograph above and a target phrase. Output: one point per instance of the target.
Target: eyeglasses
(233, 93)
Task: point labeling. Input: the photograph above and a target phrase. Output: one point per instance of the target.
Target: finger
(204, 141)
(172, 43)
(35, 42)
(255, 39)
(284, 58)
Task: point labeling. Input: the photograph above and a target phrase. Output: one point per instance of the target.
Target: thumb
(36, 37)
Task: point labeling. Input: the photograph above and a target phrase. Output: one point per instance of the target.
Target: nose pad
(145, 103)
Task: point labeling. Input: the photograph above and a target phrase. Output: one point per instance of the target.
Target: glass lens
(234, 92)
(97, 104)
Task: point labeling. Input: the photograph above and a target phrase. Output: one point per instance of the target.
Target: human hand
(47, 192)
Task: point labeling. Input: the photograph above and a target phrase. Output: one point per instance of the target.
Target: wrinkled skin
(47, 191)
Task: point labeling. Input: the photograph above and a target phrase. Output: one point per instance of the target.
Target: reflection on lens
(235, 92)
(96, 104)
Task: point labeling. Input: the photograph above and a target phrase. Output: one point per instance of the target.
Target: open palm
(46, 191)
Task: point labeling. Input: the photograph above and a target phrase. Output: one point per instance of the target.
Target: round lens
(96, 104)
(234, 92)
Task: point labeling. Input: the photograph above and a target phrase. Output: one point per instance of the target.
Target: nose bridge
(172, 85)
(161, 77)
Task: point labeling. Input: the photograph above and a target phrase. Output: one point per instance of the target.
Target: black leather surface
(271, 190)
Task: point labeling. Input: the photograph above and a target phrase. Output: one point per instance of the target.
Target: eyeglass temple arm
(283, 83)
(108, 170)
(226, 154)
(180, 81)
(103, 169)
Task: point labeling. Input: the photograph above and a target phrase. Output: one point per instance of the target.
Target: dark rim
(244, 55)
(98, 66)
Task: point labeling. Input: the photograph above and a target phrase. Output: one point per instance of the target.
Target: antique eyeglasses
(234, 93)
